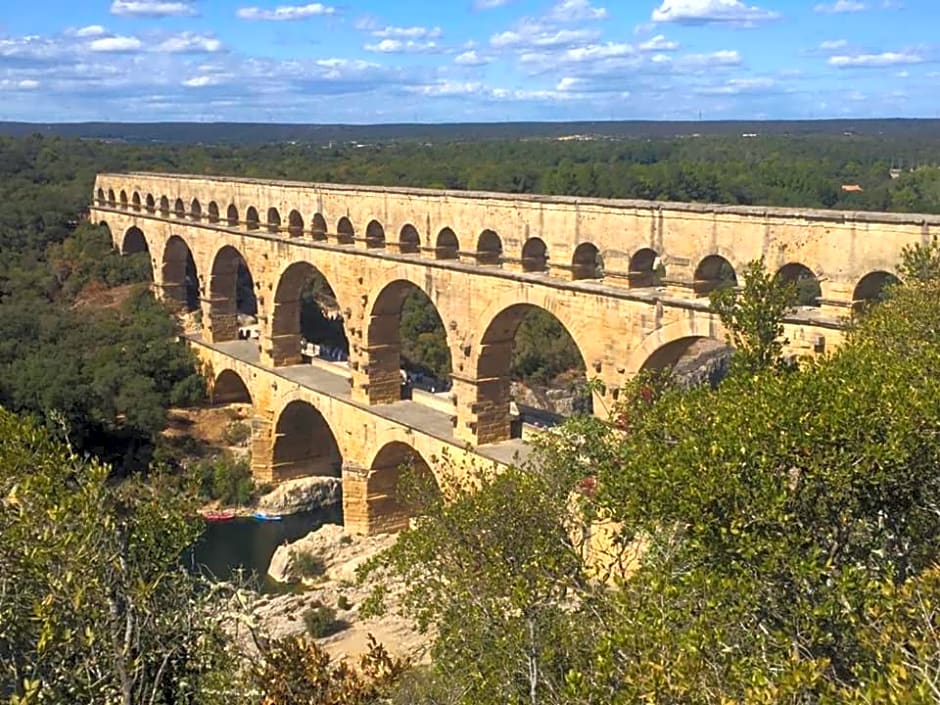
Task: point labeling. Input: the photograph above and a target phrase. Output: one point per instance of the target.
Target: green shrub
(343, 603)
(236, 433)
(321, 621)
(223, 478)
(345, 540)
(308, 565)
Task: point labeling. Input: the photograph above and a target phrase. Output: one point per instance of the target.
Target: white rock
(304, 494)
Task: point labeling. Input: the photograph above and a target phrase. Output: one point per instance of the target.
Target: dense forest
(52, 346)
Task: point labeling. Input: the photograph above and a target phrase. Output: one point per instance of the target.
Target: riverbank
(336, 555)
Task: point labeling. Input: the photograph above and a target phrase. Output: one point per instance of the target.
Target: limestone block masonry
(628, 279)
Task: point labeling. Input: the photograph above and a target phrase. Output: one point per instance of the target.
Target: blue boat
(264, 516)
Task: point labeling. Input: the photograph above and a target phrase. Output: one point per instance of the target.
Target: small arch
(151, 205)
(135, 201)
(101, 197)
(646, 269)
(304, 444)
(318, 227)
(345, 234)
(447, 245)
(231, 216)
(112, 199)
(391, 503)
(195, 210)
(489, 248)
(123, 198)
(179, 208)
(534, 255)
(802, 278)
(295, 224)
(587, 263)
(872, 289)
(213, 212)
(713, 272)
(409, 242)
(134, 242)
(274, 220)
(251, 218)
(375, 235)
(164, 206)
(229, 388)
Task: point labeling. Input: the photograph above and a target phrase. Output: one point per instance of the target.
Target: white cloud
(593, 52)
(189, 42)
(471, 58)
(407, 33)
(725, 57)
(489, 4)
(736, 86)
(92, 30)
(25, 84)
(711, 12)
(840, 6)
(576, 10)
(285, 13)
(538, 36)
(152, 8)
(887, 58)
(658, 43)
(397, 46)
(201, 81)
(568, 83)
(443, 88)
(116, 44)
(833, 44)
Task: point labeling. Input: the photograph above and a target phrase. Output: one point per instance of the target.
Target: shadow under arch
(805, 282)
(587, 262)
(231, 294)
(713, 272)
(535, 255)
(692, 360)
(549, 354)
(489, 248)
(447, 246)
(409, 241)
(399, 485)
(134, 241)
(872, 289)
(421, 349)
(228, 387)
(645, 268)
(180, 280)
(304, 444)
(305, 307)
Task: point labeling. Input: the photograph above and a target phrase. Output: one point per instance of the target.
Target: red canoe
(218, 516)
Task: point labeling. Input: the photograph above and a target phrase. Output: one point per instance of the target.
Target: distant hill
(256, 133)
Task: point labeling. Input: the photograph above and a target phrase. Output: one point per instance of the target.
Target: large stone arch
(283, 347)
(390, 503)
(695, 326)
(304, 443)
(486, 418)
(227, 289)
(179, 278)
(383, 338)
(134, 241)
(228, 387)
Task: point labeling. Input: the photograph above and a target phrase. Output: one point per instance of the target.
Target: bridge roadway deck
(406, 413)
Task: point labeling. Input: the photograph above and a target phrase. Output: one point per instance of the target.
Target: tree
(95, 604)
(753, 316)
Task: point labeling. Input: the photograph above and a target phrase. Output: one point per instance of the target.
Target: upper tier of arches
(643, 265)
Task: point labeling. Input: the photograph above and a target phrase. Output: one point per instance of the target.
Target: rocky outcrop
(305, 494)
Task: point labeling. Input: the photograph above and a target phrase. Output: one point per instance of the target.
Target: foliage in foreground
(95, 605)
(788, 523)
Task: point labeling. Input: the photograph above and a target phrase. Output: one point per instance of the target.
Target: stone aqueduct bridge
(484, 260)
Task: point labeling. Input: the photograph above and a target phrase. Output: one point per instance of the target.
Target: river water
(246, 545)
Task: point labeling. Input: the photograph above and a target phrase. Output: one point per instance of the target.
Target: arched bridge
(627, 279)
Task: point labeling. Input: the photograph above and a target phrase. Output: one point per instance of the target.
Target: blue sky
(368, 61)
